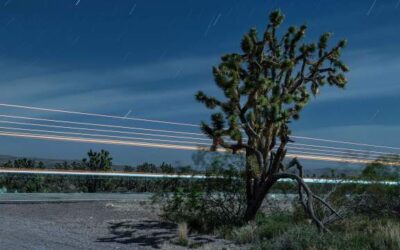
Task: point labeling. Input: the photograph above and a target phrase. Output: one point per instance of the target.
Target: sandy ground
(129, 224)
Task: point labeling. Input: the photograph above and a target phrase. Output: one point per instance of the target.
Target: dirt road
(132, 224)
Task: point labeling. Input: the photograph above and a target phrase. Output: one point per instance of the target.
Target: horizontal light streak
(332, 151)
(103, 130)
(338, 149)
(173, 146)
(102, 135)
(100, 125)
(165, 176)
(299, 149)
(96, 115)
(344, 142)
(93, 140)
(180, 124)
(341, 148)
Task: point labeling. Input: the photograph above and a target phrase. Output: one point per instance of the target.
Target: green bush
(374, 200)
(208, 204)
(270, 226)
(298, 237)
(357, 232)
(265, 227)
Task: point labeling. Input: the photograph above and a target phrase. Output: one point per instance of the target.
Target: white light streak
(173, 146)
(102, 135)
(300, 150)
(184, 124)
(368, 152)
(99, 125)
(100, 141)
(168, 136)
(151, 175)
(103, 130)
(329, 152)
(341, 148)
(96, 115)
(344, 142)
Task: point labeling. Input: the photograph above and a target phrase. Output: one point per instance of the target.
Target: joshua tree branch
(310, 196)
(236, 147)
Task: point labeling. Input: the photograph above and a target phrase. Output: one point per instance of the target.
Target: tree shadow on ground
(150, 233)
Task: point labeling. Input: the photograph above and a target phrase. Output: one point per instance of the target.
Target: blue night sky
(151, 56)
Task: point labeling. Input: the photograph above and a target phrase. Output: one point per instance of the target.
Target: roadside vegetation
(264, 88)
(95, 161)
(243, 197)
(369, 214)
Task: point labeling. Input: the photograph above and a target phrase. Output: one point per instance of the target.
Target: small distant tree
(98, 161)
(77, 166)
(147, 168)
(166, 168)
(24, 163)
(63, 165)
(41, 165)
(185, 170)
(384, 167)
(8, 164)
(129, 169)
(265, 88)
(333, 173)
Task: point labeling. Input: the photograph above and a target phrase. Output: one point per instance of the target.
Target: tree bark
(254, 204)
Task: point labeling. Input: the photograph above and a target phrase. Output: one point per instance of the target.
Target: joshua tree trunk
(306, 197)
(254, 204)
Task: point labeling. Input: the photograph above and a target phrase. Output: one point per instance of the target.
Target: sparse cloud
(135, 85)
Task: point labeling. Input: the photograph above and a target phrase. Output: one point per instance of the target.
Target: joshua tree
(265, 87)
(98, 161)
(24, 163)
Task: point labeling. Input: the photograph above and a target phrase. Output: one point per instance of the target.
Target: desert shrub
(208, 204)
(269, 226)
(265, 227)
(380, 170)
(361, 232)
(50, 183)
(306, 236)
(186, 206)
(298, 237)
(373, 200)
(379, 201)
(245, 234)
(356, 232)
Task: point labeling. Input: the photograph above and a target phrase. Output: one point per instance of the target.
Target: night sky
(150, 57)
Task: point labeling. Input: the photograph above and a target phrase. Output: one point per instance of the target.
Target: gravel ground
(91, 225)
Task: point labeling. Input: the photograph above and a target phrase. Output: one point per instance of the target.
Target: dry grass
(245, 234)
(389, 235)
(183, 234)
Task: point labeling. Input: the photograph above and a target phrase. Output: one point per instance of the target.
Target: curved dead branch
(309, 203)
